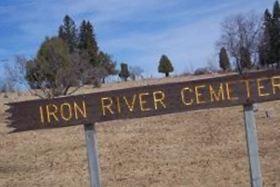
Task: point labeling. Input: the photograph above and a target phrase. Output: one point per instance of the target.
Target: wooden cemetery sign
(151, 100)
(146, 101)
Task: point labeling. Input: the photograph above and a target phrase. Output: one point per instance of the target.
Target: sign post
(92, 152)
(252, 146)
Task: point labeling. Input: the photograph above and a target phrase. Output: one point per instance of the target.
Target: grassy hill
(200, 148)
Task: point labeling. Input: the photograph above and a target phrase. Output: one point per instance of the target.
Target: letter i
(118, 104)
(42, 115)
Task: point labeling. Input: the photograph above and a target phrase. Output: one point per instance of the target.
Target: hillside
(201, 148)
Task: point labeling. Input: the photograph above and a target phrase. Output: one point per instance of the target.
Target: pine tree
(68, 33)
(267, 18)
(165, 66)
(124, 73)
(265, 48)
(276, 10)
(100, 61)
(245, 58)
(52, 70)
(82, 35)
(275, 34)
(87, 41)
(223, 59)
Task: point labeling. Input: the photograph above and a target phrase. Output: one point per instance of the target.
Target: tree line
(247, 42)
(250, 42)
(72, 58)
(66, 62)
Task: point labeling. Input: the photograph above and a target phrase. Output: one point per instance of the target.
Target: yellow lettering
(159, 96)
(198, 94)
(82, 111)
(107, 106)
(229, 91)
(260, 87)
(42, 114)
(247, 88)
(142, 102)
(217, 95)
(51, 113)
(186, 89)
(118, 104)
(130, 105)
(275, 84)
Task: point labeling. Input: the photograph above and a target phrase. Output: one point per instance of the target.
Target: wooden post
(92, 154)
(252, 146)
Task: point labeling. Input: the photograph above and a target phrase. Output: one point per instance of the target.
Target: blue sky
(134, 31)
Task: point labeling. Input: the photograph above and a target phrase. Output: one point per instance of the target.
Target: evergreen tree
(87, 42)
(82, 35)
(223, 60)
(275, 34)
(68, 33)
(124, 73)
(165, 66)
(267, 19)
(245, 58)
(276, 10)
(100, 61)
(265, 48)
(52, 70)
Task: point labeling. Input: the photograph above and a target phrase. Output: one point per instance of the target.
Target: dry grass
(201, 148)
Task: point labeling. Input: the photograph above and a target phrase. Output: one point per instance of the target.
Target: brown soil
(201, 148)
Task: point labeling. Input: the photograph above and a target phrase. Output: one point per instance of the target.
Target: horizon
(137, 33)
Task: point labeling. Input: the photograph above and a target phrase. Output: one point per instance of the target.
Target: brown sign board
(221, 91)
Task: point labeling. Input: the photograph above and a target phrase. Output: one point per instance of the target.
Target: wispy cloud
(137, 31)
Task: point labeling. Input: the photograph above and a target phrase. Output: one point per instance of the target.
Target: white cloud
(186, 35)
(189, 44)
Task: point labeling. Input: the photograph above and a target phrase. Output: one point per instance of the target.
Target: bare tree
(57, 72)
(15, 74)
(241, 31)
(189, 70)
(7, 86)
(211, 64)
(135, 72)
(15, 77)
(67, 80)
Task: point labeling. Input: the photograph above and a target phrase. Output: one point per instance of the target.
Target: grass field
(201, 148)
